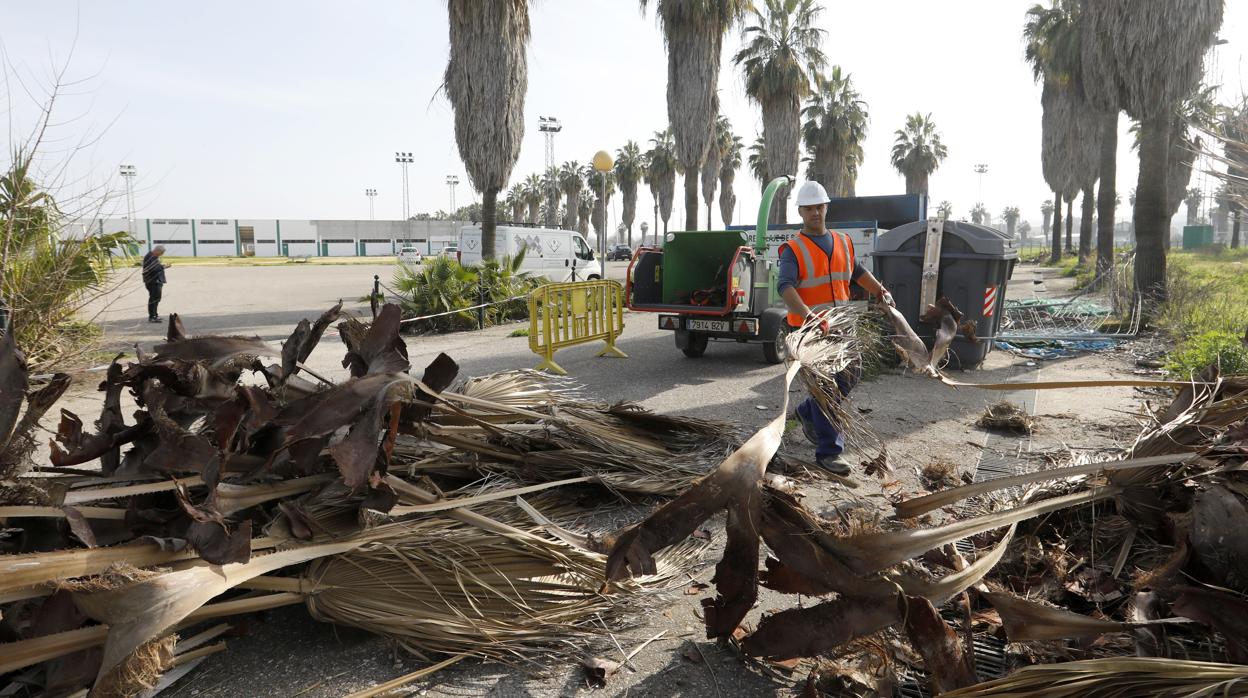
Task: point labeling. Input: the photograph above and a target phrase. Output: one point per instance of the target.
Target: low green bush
(1192, 355)
(443, 285)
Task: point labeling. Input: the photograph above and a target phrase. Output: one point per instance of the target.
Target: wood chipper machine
(713, 284)
(721, 284)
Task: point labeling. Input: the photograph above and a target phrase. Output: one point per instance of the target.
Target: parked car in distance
(410, 255)
(449, 251)
(620, 253)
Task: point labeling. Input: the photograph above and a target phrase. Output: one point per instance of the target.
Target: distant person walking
(154, 280)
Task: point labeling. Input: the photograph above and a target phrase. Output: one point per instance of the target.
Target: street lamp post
(645, 228)
(128, 173)
(405, 159)
(602, 164)
(371, 194)
(451, 182)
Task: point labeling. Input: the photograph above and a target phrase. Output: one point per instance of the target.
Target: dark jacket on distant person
(153, 270)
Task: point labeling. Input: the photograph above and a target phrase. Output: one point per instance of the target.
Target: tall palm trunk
(1085, 225)
(1151, 223)
(1055, 254)
(489, 209)
(710, 178)
(781, 134)
(1106, 194)
(1070, 224)
(727, 197)
(691, 198)
(1235, 228)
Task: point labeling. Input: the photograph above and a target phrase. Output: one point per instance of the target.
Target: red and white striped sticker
(990, 300)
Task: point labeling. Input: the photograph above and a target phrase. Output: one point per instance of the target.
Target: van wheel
(776, 351)
(593, 277)
(692, 344)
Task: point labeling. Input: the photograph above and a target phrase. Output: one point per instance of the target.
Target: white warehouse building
(236, 237)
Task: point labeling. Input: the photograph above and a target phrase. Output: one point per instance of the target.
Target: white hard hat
(812, 193)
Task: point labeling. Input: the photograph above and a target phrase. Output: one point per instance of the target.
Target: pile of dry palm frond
(1006, 416)
(388, 501)
(1047, 560)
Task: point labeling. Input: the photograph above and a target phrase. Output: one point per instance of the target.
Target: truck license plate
(707, 325)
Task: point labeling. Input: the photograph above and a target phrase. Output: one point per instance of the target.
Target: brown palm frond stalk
(460, 589)
(824, 355)
(1117, 676)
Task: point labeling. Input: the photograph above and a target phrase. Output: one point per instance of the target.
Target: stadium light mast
(405, 159)
(549, 126)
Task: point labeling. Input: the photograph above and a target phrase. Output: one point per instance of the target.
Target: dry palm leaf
(1027, 620)
(1117, 677)
(1006, 416)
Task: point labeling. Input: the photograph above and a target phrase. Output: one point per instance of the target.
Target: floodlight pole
(981, 169)
(128, 173)
(405, 159)
(371, 194)
(451, 182)
(549, 126)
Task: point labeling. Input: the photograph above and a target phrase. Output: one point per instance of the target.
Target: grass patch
(519, 332)
(1206, 312)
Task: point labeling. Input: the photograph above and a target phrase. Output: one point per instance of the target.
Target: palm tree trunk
(1070, 224)
(1106, 195)
(489, 199)
(691, 198)
(1235, 228)
(1151, 223)
(1085, 225)
(1055, 254)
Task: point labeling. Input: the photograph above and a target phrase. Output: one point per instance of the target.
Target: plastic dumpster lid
(983, 240)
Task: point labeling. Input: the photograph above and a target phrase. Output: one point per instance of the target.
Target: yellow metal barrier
(564, 315)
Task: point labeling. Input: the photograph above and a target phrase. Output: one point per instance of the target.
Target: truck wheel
(691, 343)
(776, 351)
(773, 326)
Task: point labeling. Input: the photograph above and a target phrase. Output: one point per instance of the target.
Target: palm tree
(834, 131)
(584, 208)
(714, 156)
(1196, 113)
(693, 31)
(571, 181)
(917, 152)
(486, 81)
(602, 199)
(1193, 200)
(1233, 132)
(780, 58)
(1147, 59)
(628, 171)
(1046, 210)
(728, 167)
(516, 202)
(1070, 130)
(978, 213)
(945, 209)
(1010, 216)
(661, 171)
(550, 185)
(758, 161)
(533, 196)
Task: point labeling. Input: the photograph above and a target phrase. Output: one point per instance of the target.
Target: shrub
(1192, 355)
(443, 285)
(47, 277)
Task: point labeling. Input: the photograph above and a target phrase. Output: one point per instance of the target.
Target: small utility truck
(721, 284)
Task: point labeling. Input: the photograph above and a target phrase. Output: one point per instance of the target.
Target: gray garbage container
(975, 265)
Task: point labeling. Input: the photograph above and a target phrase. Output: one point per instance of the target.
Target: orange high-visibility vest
(822, 279)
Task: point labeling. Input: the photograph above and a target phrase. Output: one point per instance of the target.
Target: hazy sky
(290, 109)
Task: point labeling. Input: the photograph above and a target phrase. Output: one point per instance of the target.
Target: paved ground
(290, 654)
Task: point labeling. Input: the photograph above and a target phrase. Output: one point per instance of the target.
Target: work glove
(887, 299)
(823, 322)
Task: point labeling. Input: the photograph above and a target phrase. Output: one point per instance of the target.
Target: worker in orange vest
(816, 269)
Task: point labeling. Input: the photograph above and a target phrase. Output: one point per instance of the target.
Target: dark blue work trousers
(830, 442)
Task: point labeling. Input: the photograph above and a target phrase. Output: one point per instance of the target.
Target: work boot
(808, 429)
(153, 319)
(837, 465)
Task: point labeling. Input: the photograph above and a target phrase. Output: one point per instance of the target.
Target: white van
(558, 255)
